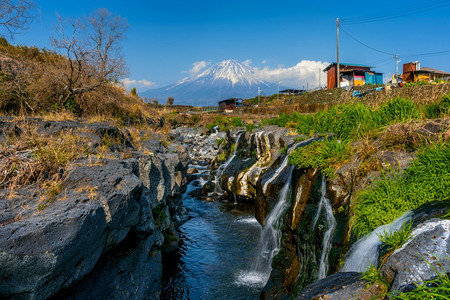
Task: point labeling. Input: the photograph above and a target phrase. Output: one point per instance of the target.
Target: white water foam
(247, 220)
(365, 252)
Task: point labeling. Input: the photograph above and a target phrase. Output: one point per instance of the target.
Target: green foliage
(250, 127)
(417, 83)
(350, 120)
(372, 276)
(438, 109)
(427, 179)
(438, 288)
(395, 240)
(133, 92)
(219, 141)
(236, 122)
(326, 155)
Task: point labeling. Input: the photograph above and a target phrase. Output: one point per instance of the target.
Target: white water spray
(365, 251)
(270, 241)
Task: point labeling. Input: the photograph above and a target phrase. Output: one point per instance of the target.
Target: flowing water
(325, 206)
(269, 242)
(223, 167)
(215, 245)
(365, 251)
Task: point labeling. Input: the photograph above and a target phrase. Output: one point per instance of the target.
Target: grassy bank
(364, 130)
(427, 179)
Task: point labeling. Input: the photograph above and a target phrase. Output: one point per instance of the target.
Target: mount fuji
(227, 79)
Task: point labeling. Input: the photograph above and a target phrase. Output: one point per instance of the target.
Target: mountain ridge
(226, 79)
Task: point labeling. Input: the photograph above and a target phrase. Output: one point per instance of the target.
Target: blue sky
(166, 38)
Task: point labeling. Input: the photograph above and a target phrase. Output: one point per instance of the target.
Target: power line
(418, 9)
(364, 44)
(391, 54)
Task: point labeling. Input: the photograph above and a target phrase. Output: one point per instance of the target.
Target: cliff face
(314, 228)
(103, 235)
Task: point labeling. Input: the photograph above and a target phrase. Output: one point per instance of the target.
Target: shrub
(236, 122)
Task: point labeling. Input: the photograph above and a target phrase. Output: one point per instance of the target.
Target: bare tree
(16, 15)
(93, 48)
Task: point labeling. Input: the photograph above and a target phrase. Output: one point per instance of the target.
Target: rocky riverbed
(119, 209)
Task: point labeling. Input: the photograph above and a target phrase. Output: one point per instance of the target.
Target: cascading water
(223, 167)
(325, 205)
(284, 164)
(263, 155)
(365, 251)
(270, 241)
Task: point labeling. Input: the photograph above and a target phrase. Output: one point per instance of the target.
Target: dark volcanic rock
(414, 262)
(339, 286)
(52, 249)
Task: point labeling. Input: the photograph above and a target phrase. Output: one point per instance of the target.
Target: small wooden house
(228, 105)
(412, 72)
(351, 75)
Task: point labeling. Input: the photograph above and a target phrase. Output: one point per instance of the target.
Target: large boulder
(415, 262)
(49, 250)
(342, 285)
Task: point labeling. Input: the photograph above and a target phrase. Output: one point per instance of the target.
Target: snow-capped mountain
(227, 79)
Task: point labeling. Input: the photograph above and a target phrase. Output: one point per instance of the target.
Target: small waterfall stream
(269, 242)
(325, 205)
(365, 251)
(223, 167)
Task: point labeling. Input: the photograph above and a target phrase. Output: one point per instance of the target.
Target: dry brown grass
(33, 158)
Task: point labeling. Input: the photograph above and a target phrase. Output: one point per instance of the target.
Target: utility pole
(338, 71)
(319, 77)
(259, 96)
(278, 94)
(396, 67)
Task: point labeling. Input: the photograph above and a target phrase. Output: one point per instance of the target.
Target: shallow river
(218, 245)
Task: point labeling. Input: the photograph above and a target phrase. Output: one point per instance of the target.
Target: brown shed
(351, 74)
(227, 104)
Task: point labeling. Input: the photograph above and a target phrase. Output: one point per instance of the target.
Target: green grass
(355, 120)
(427, 179)
(372, 276)
(326, 155)
(395, 240)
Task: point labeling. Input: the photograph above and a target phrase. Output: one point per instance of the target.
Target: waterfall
(270, 240)
(223, 167)
(325, 205)
(365, 251)
(284, 164)
(263, 155)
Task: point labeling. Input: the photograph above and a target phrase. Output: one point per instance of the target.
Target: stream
(218, 245)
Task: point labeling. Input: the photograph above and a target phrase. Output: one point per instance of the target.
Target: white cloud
(130, 83)
(247, 62)
(306, 71)
(264, 61)
(198, 66)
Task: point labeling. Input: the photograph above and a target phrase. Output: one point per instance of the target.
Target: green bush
(236, 122)
(427, 179)
(326, 155)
